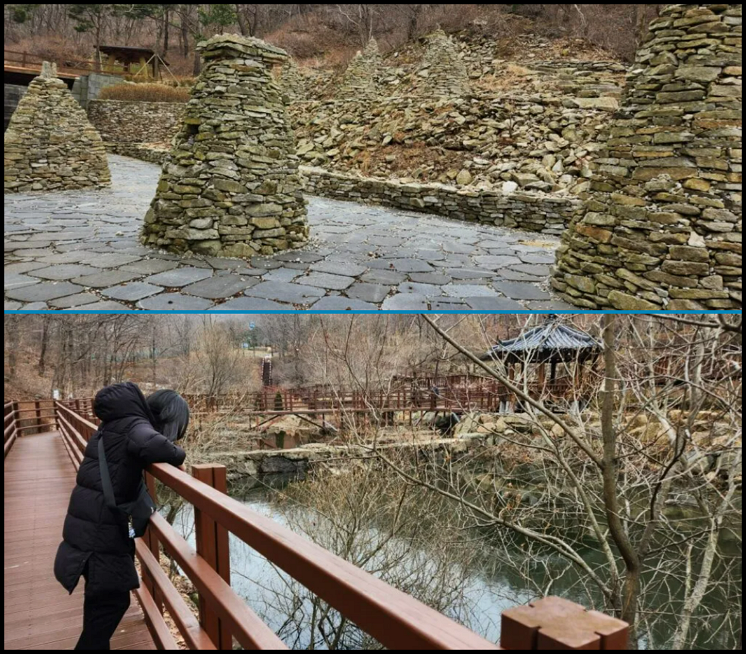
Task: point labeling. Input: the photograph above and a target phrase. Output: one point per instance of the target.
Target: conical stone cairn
(443, 73)
(230, 185)
(661, 227)
(359, 81)
(49, 144)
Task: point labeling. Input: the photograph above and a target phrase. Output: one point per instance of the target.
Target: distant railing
(21, 417)
(485, 396)
(392, 617)
(15, 59)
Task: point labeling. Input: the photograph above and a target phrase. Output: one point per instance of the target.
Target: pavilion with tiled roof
(552, 342)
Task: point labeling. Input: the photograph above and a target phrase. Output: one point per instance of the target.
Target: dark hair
(171, 413)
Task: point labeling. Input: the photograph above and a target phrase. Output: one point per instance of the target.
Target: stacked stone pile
(359, 81)
(49, 144)
(230, 185)
(662, 226)
(373, 54)
(292, 81)
(443, 72)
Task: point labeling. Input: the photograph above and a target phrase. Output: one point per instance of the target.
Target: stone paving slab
(43, 291)
(73, 301)
(65, 271)
(327, 281)
(179, 277)
(174, 302)
(17, 280)
(219, 287)
(131, 292)
(81, 249)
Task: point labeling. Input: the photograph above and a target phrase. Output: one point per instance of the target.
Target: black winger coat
(92, 532)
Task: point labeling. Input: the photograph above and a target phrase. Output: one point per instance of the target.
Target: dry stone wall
(49, 144)
(662, 226)
(531, 212)
(230, 185)
(120, 121)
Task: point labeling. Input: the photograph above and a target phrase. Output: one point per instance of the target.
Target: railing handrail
(394, 618)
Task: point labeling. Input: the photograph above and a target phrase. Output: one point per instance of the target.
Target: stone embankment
(535, 212)
(122, 122)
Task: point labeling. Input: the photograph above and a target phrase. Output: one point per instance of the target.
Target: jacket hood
(121, 401)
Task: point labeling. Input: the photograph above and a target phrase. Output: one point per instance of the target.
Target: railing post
(557, 623)
(37, 407)
(212, 545)
(151, 540)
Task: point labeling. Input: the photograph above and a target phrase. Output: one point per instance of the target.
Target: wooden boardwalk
(39, 614)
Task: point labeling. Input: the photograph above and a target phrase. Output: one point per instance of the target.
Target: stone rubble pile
(230, 185)
(443, 72)
(662, 225)
(49, 144)
(533, 142)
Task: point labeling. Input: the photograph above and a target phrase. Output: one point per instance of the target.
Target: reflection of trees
(372, 519)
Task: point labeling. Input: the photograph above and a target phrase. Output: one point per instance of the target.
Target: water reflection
(491, 586)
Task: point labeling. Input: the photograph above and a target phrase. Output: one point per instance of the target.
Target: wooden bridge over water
(43, 447)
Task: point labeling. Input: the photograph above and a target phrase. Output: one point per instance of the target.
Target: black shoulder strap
(103, 467)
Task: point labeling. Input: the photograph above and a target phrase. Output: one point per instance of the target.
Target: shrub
(145, 93)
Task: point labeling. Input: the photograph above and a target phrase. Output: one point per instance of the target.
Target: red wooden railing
(422, 394)
(22, 417)
(393, 618)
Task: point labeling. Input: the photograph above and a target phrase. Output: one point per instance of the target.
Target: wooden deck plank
(38, 613)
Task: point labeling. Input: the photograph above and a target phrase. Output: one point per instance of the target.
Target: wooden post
(212, 545)
(557, 623)
(37, 406)
(151, 540)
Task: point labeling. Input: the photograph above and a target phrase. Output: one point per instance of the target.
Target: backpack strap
(103, 467)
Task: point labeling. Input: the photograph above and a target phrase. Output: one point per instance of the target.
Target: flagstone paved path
(79, 250)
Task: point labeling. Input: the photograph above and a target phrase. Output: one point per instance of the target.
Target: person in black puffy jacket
(96, 542)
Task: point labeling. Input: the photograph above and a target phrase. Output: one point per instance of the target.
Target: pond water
(490, 587)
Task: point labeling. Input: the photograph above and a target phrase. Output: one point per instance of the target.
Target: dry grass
(145, 93)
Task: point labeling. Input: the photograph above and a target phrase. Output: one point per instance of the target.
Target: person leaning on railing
(109, 505)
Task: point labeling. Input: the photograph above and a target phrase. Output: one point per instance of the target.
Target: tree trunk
(631, 590)
(241, 21)
(197, 66)
(43, 346)
(97, 53)
(166, 19)
(184, 35)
